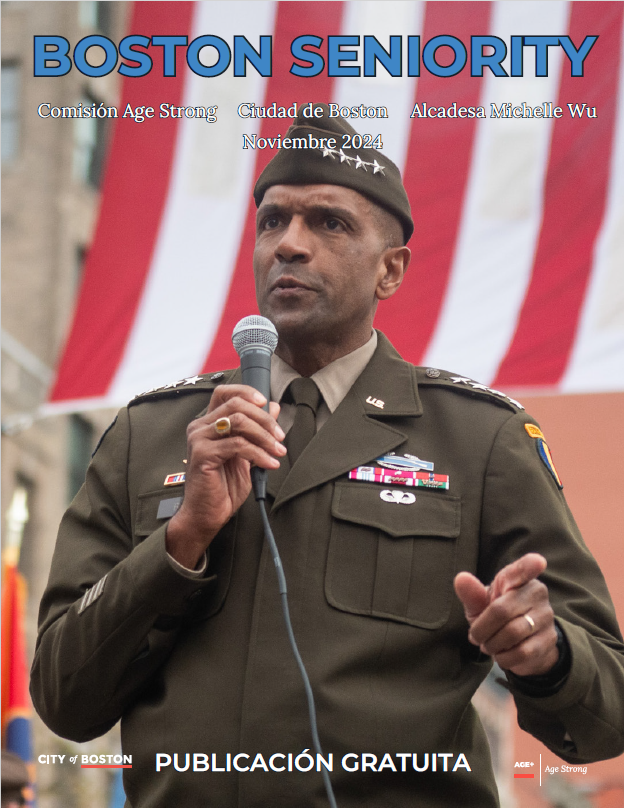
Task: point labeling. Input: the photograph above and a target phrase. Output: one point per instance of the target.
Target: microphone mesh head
(254, 331)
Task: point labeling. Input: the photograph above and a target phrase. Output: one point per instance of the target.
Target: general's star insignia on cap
(359, 163)
(377, 167)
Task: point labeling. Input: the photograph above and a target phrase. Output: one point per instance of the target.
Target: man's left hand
(512, 619)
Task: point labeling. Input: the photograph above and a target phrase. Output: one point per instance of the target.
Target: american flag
(517, 274)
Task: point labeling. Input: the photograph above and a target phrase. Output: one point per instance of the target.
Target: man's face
(319, 261)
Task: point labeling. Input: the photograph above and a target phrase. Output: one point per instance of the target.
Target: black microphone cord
(260, 494)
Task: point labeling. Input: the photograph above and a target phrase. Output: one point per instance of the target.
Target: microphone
(255, 339)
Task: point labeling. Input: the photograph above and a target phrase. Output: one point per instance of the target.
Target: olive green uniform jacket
(203, 666)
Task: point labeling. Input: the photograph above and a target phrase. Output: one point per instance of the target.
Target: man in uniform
(163, 609)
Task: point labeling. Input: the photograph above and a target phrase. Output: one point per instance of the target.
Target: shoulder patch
(207, 381)
(442, 378)
(534, 431)
(544, 451)
(546, 457)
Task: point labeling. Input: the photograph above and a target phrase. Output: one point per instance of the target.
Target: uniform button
(194, 600)
(216, 376)
(432, 373)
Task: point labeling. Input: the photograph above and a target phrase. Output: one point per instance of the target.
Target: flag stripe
(134, 193)
(598, 357)
(516, 273)
(435, 175)
(16, 725)
(385, 20)
(503, 206)
(576, 189)
(282, 88)
(205, 211)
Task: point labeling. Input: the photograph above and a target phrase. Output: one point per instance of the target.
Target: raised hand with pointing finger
(512, 619)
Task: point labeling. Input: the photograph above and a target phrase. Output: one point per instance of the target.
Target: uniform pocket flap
(430, 514)
(154, 507)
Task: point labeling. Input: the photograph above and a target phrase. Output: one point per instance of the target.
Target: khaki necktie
(307, 397)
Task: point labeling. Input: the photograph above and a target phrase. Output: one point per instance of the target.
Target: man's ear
(395, 261)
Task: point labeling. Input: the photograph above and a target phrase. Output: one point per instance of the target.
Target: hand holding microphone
(218, 465)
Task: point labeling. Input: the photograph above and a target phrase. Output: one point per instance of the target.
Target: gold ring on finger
(223, 427)
(530, 621)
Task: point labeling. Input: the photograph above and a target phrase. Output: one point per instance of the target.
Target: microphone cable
(259, 486)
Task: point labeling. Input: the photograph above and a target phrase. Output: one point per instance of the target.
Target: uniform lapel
(359, 431)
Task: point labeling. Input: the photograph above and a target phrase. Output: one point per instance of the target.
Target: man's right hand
(218, 477)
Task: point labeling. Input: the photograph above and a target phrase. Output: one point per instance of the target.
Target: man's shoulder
(183, 387)
(178, 403)
(430, 377)
(388, 363)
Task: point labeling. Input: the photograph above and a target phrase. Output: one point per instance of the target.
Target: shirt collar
(334, 380)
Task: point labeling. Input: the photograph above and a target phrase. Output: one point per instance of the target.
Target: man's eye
(271, 222)
(333, 224)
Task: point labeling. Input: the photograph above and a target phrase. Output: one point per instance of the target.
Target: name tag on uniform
(167, 507)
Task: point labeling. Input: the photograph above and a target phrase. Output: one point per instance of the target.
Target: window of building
(80, 257)
(81, 435)
(89, 146)
(10, 111)
(19, 524)
(97, 15)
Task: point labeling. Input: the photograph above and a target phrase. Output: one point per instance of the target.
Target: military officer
(162, 608)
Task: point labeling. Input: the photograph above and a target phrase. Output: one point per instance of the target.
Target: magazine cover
(203, 198)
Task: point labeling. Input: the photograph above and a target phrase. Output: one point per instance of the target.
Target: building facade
(51, 171)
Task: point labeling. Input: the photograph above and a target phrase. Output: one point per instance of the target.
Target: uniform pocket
(157, 507)
(392, 560)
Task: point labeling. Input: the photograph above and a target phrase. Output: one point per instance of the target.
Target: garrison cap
(365, 170)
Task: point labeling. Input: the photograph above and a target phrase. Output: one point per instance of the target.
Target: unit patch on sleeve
(543, 451)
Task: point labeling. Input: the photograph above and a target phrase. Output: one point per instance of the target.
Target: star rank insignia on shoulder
(442, 378)
(188, 384)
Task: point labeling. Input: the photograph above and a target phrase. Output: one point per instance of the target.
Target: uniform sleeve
(524, 510)
(110, 614)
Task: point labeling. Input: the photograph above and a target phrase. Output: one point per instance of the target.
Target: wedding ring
(223, 427)
(530, 621)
